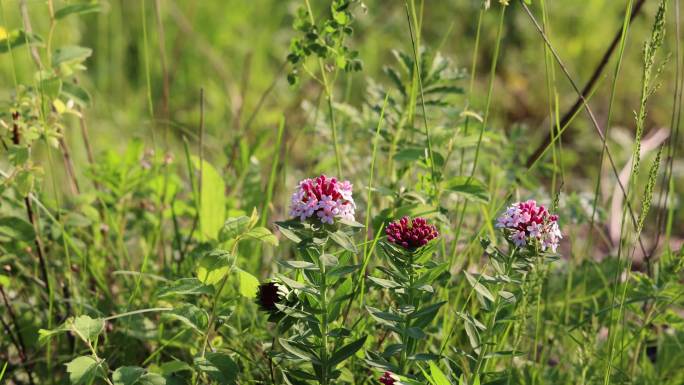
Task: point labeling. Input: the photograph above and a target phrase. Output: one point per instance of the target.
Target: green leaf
(212, 200)
(410, 155)
(386, 283)
(289, 346)
(234, 227)
(133, 375)
(185, 286)
(16, 229)
(304, 265)
(346, 351)
(473, 336)
(16, 38)
(86, 327)
(51, 87)
(469, 188)
(77, 9)
(249, 284)
(214, 266)
(174, 367)
(329, 260)
(83, 370)
(438, 377)
(127, 375)
(191, 316)
(77, 93)
(480, 288)
(384, 317)
(219, 367)
(44, 335)
(344, 241)
(289, 234)
(262, 234)
(71, 54)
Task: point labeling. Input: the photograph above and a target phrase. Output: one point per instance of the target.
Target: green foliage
(149, 157)
(325, 40)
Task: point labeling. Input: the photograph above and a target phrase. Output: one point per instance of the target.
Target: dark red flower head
(268, 296)
(411, 234)
(387, 379)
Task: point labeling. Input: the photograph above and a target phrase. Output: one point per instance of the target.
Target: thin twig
(569, 114)
(589, 111)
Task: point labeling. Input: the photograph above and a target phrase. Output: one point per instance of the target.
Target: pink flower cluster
(411, 234)
(387, 379)
(325, 197)
(526, 223)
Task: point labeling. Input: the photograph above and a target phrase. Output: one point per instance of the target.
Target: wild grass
(151, 150)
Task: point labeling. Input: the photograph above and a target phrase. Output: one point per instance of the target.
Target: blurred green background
(235, 51)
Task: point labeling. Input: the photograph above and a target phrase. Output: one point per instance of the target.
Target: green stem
(323, 299)
(405, 339)
(491, 322)
(327, 87)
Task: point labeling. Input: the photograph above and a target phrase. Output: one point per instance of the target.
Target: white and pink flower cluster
(526, 223)
(325, 197)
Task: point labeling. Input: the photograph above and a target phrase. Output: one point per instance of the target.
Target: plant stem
(323, 299)
(405, 339)
(327, 87)
(491, 322)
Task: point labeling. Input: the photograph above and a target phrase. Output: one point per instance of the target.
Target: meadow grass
(153, 229)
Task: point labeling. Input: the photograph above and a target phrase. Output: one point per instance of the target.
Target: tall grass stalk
(648, 76)
(328, 89)
(485, 119)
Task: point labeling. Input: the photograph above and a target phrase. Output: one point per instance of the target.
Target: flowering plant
(409, 277)
(529, 224)
(321, 282)
(533, 231)
(323, 198)
(411, 234)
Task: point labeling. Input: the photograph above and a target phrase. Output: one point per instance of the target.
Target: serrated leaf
(191, 316)
(262, 234)
(214, 266)
(86, 327)
(133, 375)
(219, 367)
(185, 286)
(234, 227)
(249, 284)
(83, 370)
